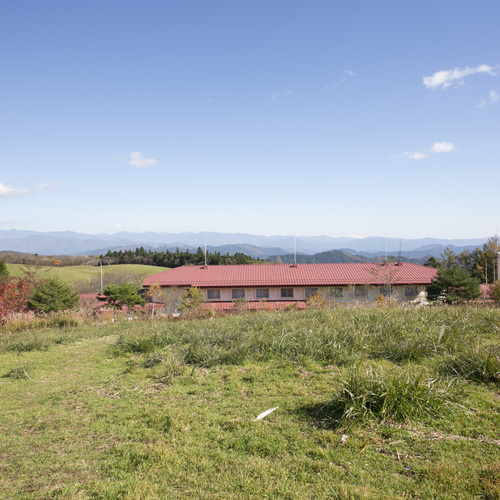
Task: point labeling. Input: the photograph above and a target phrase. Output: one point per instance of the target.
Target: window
(310, 291)
(286, 293)
(385, 290)
(238, 293)
(411, 292)
(336, 292)
(213, 294)
(262, 293)
(361, 292)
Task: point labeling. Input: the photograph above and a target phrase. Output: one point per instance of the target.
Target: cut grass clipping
(399, 396)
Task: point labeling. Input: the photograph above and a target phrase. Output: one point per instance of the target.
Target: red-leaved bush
(14, 293)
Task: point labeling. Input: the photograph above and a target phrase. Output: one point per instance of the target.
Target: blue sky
(267, 117)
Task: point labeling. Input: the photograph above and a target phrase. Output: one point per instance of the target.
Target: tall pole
(102, 288)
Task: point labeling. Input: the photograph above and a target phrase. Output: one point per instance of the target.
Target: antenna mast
(102, 287)
(295, 250)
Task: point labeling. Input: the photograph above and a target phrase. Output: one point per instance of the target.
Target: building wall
(402, 293)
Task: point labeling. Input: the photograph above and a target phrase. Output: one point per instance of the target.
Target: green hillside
(87, 278)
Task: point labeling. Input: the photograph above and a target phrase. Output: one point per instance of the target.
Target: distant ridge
(72, 243)
(331, 257)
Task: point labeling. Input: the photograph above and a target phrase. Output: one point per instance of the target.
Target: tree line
(481, 264)
(459, 275)
(178, 258)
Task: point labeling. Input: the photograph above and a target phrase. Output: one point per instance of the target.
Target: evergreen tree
(453, 284)
(126, 294)
(52, 295)
(4, 272)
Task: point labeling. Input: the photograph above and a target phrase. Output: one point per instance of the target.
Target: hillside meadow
(88, 278)
(370, 403)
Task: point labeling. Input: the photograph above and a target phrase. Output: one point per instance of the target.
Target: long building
(281, 284)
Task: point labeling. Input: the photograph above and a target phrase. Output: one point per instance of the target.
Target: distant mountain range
(72, 243)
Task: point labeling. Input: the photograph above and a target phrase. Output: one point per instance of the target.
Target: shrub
(191, 300)
(316, 301)
(494, 292)
(51, 296)
(14, 295)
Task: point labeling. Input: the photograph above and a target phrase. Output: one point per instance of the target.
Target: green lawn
(165, 409)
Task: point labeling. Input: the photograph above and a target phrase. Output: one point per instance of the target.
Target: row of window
(360, 292)
(239, 293)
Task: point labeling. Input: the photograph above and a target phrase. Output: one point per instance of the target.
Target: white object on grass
(265, 413)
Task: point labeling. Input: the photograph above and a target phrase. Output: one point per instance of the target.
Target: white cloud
(415, 156)
(46, 186)
(493, 97)
(282, 93)
(138, 161)
(11, 192)
(443, 147)
(347, 73)
(446, 78)
(437, 147)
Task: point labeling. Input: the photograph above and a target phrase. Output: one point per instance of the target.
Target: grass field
(395, 403)
(86, 274)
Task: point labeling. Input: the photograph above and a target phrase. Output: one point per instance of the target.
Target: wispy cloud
(137, 160)
(493, 97)
(446, 78)
(415, 156)
(347, 73)
(7, 191)
(282, 93)
(437, 147)
(443, 147)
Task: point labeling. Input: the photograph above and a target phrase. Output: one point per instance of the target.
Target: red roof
(298, 275)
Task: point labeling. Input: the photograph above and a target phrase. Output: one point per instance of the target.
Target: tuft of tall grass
(339, 336)
(19, 322)
(399, 396)
(19, 373)
(235, 339)
(480, 363)
(172, 365)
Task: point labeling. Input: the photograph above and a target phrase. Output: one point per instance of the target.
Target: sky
(337, 118)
